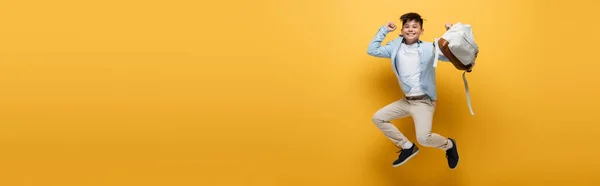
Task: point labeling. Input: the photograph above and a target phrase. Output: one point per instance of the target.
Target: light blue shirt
(426, 52)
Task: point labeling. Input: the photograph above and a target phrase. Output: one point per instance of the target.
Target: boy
(412, 62)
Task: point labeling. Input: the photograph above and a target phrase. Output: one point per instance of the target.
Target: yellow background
(273, 92)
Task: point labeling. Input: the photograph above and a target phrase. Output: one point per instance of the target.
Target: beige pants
(422, 114)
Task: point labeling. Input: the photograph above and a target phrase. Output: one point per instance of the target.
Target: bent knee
(424, 139)
(377, 119)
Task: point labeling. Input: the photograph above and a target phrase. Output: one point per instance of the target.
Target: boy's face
(411, 31)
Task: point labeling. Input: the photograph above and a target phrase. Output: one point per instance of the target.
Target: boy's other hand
(391, 26)
(448, 26)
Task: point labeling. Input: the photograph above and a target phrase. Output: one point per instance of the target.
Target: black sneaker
(452, 155)
(405, 155)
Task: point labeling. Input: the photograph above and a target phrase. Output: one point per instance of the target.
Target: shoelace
(449, 153)
(402, 150)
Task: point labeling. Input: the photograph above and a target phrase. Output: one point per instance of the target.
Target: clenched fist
(391, 26)
(448, 26)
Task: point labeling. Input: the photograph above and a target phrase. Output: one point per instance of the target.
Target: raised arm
(375, 49)
(442, 57)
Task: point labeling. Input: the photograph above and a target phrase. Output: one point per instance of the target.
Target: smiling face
(412, 27)
(411, 30)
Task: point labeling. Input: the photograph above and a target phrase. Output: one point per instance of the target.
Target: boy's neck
(410, 42)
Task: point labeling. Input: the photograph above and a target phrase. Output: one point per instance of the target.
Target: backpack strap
(467, 92)
(435, 61)
(437, 53)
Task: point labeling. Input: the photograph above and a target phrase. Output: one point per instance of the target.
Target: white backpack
(458, 45)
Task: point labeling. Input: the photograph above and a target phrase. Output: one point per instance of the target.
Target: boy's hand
(448, 25)
(391, 26)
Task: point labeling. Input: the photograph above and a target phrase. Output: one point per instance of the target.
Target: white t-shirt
(409, 67)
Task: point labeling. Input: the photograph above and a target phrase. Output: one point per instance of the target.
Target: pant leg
(392, 111)
(422, 114)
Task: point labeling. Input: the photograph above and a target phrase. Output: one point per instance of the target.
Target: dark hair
(411, 16)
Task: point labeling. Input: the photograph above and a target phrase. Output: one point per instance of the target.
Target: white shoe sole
(406, 159)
